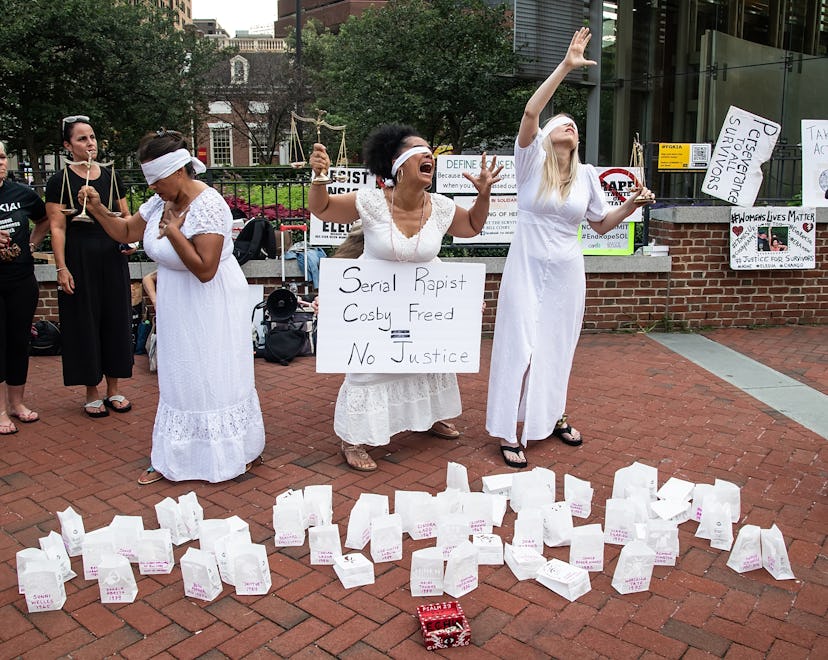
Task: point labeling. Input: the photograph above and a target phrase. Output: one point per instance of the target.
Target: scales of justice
(114, 193)
(297, 155)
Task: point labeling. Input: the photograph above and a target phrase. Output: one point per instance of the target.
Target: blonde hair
(552, 179)
(354, 244)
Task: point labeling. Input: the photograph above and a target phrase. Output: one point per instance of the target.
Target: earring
(399, 176)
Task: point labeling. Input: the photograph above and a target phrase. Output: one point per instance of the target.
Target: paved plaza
(633, 398)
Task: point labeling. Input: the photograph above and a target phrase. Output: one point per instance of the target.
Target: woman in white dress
(540, 305)
(400, 222)
(209, 424)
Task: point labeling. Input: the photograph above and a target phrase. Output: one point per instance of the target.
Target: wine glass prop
(297, 155)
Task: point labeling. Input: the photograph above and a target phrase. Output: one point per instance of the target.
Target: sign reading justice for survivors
(386, 317)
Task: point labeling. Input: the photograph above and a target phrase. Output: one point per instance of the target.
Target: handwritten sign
(450, 177)
(745, 142)
(385, 317)
(354, 178)
(772, 237)
(815, 162)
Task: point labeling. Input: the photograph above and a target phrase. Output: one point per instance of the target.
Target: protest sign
(385, 317)
(687, 156)
(617, 182)
(815, 162)
(772, 237)
(334, 233)
(745, 142)
(620, 240)
(450, 171)
(499, 226)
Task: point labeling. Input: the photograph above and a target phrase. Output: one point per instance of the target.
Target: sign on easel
(772, 237)
(386, 317)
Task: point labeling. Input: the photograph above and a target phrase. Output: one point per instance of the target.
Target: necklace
(393, 224)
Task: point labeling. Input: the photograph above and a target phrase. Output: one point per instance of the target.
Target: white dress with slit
(371, 408)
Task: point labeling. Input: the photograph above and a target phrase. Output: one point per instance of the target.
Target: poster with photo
(815, 162)
(350, 179)
(772, 237)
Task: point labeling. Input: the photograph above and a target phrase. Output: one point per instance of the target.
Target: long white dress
(371, 408)
(209, 424)
(540, 305)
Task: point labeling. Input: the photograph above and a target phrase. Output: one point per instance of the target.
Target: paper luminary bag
(746, 554)
(72, 531)
(499, 504)
(725, 491)
(715, 523)
(95, 544)
(676, 489)
(288, 524)
(586, 549)
(169, 515)
(564, 579)
(498, 484)
(529, 530)
(775, 554)
(634, 568)
(640, 501)
(212, 529)
(53, 546)
(359, 525)
(452, 530)
(489, 549)
(578, 494)
(407, 503)
(636, 474)
(461, 570)
(531, 489)
(192, 513)
(457, 477)
(155, 552)
(557, 524)
(200, 573)
(126, 530)
(319, 504)
(700, 492)
(386, 538)
(448, 502)
(662, 536)
(250, 568)
(478, 508)
(619, 521)
(223, 552)
(116, 579)
(324, 543)
(427, 572)
(43, 586)
(523, 562)
(24, 558)
(293, 497)
(354, 570)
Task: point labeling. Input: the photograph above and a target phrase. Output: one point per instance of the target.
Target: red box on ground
(444, 625)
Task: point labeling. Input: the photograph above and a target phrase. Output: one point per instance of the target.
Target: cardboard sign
(334, 233)
(745, 142)
(383, 317)
(772, 237)
(450, 171)
(815, 162)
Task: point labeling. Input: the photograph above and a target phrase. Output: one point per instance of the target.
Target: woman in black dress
(93, 276)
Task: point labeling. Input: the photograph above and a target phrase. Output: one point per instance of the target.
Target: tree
(447, 67)
(123, 65)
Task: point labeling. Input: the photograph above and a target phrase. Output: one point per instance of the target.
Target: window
(260, 135)
(219, 108)
(239, 68)
(221, 145)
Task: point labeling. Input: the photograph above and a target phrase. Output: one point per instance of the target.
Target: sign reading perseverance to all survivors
(772, 237)
(385, 317)
(745, 142)
(351, 179)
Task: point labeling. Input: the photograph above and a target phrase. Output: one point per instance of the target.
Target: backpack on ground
(288, 332)
(256, 240)
(45, 338)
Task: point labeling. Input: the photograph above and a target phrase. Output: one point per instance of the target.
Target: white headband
(404, 156)
(165, 165)
(554, 123)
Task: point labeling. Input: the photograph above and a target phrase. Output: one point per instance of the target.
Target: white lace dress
(209, 423)
(371, 408)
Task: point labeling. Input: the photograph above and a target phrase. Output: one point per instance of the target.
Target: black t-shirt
(59, 191)
(18, 204)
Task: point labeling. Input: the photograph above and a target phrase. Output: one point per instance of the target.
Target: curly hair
(383, 145)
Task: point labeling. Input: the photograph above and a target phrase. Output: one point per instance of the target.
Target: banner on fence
(815, 162)
(352, 178)
(387, 317)
(772, 237)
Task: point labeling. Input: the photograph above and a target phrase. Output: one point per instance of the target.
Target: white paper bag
(676, 489)
(55, 550)
(499, 504)
(523, 562)
(586, 549)
(95, 544)
(169, 515)
(461, 570)
(288, 524)
(775, 554)
(250, 569)
(498, 484)
(359, 525)
(746, 554)
(192, 513)
(529, 530)
(634, 568)
(294, 497)
(619, 521)
(200, 573)
(662, 536)
(478, 508)
(325, 546)
(24, 558)
(677, 511)
(126, 530)
(715, 523)
(489, 549)
(636, 474)
(531, 489)
(557, 524)
(43, 586)
(640, 500)
(578, 494)
(452, 530)
(319, 504)
(564, 579)
(72, 531)
(427, 572)
(457, 477)
(700, 492)
(223, 552)
(386, 538)
(116, 580)
(725, 491)
(448, 502)
(354, 570)
(155, 552)
(407, 503)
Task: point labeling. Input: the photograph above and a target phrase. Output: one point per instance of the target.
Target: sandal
(150, 476)
(517, 451)
(97, 403)
(9, 428)
(450, 432)
(26, 417)
(357, 458)
(566, 433)
(256, 461)
(110, 402)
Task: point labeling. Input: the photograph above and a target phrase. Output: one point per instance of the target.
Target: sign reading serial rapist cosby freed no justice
(386, 317)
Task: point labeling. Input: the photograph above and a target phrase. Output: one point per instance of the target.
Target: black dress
(96, 320)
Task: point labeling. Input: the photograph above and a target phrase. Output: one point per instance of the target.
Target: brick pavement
(632, 398)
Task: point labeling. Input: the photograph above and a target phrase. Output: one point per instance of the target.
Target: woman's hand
(575, 53)
(169, 219)
(642, 195)
(66, 282)
(5, 238)
(489, 175)
(90, 196)
(319, 159)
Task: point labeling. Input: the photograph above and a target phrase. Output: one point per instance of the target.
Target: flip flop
(117, 398)
(565, 433)
(450, 434)
(97, 403)
(10, 430)
(150, 476)
(514, 450)
(27, 418)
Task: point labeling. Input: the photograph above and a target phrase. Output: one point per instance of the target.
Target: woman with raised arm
(540, 304)
(400, 222)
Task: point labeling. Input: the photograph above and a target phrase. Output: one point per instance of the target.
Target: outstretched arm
(334, 208)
